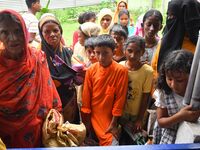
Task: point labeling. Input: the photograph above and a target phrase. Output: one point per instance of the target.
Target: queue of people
(107, 81)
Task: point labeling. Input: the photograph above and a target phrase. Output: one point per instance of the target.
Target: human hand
(80, 76)
(137, 126)
(188, 114)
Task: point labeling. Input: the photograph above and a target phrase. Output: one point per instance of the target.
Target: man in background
(31, 21)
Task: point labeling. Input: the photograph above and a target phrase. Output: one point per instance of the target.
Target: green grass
(68, 30)
(136, 7)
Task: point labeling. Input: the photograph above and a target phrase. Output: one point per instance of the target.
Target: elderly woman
(59, 62)
(27, 92)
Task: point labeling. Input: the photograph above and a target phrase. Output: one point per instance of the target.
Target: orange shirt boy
(104, 92)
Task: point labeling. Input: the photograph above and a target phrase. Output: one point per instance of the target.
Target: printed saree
(27, 93)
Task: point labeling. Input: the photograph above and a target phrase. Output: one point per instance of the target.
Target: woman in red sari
(27, 91)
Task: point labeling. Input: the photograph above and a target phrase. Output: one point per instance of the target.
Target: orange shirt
(104, 95)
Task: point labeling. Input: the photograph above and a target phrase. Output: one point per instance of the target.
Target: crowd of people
(112, 74)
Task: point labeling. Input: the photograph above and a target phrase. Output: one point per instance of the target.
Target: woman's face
(121, 6)
(151, 26)
(12, 37)
(81, 37)
(124, 20)
(52, 34)
(106, 21)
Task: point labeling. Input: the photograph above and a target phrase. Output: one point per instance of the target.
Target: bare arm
(185, 114)
(143, 108)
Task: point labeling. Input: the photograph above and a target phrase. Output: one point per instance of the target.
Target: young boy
(31, 21)
(104, 92)
(89, 48)
(120, 36)
(140, 82)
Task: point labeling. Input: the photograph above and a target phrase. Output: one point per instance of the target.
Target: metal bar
(193, 72)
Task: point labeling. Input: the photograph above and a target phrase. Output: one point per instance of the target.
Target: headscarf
(90, 29)
(185, 23)
(116, 18)
(103, 12)
(54, 56)
(27, 93)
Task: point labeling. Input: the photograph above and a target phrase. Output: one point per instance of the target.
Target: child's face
(91, 54)
(106, 21)
(104, 55)
(177, 81)
(124, 20)
(151, 26)
(92, 20)
(119, 40)
(133, 53)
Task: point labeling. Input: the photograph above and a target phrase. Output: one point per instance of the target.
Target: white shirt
(159, 97)
(31, 22)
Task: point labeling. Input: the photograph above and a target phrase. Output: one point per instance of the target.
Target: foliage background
(68, 17)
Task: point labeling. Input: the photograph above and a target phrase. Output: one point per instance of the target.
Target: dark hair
(179, 60)
(52, 21)
(30, 2)
(118, 29)
(105, 40)
(138, 40)
(124, 11)
(153, 12)
(122, 2)
(86, 16)
(5, 16)
(90, 42)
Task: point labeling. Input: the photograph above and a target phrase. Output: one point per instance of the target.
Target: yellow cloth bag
(55, 133)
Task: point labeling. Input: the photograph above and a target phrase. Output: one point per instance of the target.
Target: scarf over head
(186, 22)
(90, 29)
(27, 93)
(116, 17)
(103, 12)
(56, 57)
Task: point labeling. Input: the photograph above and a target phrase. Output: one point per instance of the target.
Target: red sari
(27, 93)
